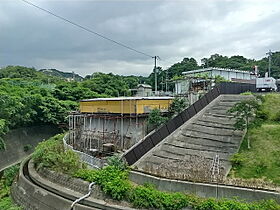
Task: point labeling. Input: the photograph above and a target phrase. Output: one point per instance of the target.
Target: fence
(152, 139)
(91, 161)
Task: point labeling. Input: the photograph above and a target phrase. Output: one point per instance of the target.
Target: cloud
(170, 29)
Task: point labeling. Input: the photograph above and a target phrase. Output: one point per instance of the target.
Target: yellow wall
(126, 107)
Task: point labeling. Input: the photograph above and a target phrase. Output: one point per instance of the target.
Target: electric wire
(87, 29)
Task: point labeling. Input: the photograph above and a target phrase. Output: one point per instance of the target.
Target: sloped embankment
(188, 152)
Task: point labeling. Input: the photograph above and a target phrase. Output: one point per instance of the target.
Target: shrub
(51, 154)
(9, 175)
(148, 197)
(155, 118)
(27, 147)
(237, 160)
(117, 162)
(112, 180)
(7, 204)
(247, 93)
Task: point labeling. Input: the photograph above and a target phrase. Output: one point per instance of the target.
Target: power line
(86, 29)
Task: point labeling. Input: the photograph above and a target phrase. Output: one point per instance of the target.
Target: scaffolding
(103, 134)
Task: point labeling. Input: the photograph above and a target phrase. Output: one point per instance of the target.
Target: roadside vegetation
(6, 181)
(262, 159)
(113, 181)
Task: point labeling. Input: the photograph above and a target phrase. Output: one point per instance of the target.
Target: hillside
(263, 159)
(61, 74)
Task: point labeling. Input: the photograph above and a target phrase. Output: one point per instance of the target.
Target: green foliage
(112, 180)
(177, 106)
(27, 147)
(247, 93)
(255, 163)
(271, 106)
(51, 154)
(148, 197)
(110, 84)
(6, 203)
(243, 111)
(155, 118)
(2, 144)
(237, 160)
(6, 181)
(117, 162)
(9, 175)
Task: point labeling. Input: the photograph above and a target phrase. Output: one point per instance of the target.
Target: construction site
(106, 125)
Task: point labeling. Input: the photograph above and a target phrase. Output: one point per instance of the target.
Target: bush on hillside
(51, 154)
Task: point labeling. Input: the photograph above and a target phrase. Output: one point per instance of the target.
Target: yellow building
(125, 105)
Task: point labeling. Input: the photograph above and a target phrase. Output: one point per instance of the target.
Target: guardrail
(91, 161)
(152, 139)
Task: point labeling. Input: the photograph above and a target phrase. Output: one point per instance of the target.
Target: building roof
(129, 98)
(214, 68)
(144, 86)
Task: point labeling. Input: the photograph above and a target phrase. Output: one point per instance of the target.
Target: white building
(183, 86)
(228, 74)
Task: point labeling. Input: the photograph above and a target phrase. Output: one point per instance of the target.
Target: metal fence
(152, 139)
(91, 161)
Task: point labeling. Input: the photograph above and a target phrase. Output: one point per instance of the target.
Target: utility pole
(269, 62)
(166, 78)
(155, 72)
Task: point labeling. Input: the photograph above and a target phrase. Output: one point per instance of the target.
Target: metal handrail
(83, 197)
(88, 159)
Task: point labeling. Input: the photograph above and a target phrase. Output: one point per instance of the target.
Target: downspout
(83, 197)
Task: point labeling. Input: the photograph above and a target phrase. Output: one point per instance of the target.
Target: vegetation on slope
(113, 181)
(6, 181)
(262, 160)
(29, 97)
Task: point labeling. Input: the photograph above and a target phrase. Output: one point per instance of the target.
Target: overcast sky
(169, 29)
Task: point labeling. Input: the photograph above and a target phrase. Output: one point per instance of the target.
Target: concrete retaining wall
(203, 190)
(16, 139)
(41, 194)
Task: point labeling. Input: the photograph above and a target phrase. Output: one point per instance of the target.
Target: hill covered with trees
(29, 96)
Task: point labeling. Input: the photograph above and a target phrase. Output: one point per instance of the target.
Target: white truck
(266, 84)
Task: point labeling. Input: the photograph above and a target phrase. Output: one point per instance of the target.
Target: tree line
(29, 96)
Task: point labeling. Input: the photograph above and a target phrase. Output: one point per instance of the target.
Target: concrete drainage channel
(33, 192)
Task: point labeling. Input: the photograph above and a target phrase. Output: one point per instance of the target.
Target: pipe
(83, 197)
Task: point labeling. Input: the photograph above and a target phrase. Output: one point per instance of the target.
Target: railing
(152, 139)
(91, 161)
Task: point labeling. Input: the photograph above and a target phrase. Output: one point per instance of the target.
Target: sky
(171, 30)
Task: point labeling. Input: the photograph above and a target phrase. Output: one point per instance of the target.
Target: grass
(263, 159)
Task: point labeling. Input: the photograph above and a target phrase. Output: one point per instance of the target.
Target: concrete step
(204, 142)
(215, 119)
(175, 152)
(203, 147)
(215, 125)
(213, 130)
(205, 135)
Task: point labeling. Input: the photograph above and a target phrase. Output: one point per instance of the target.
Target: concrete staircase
(189, 151)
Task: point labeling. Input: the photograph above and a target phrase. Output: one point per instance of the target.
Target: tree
(177, 106)
(243, 112)
(155, 118)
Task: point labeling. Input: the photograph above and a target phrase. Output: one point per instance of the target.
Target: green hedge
(114, 182)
